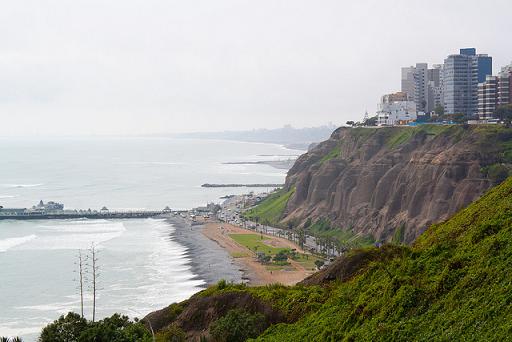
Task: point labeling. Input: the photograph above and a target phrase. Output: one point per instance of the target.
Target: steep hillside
(453, 284)
(394, 181)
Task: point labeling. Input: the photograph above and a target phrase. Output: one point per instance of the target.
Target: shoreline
(215, 256)
(208, 261)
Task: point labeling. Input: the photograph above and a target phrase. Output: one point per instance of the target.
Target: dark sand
(209, 261)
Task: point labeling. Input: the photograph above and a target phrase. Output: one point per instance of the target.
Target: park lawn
(254, 242)
(307, 261)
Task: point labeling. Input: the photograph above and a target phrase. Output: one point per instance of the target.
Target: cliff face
(379, 180)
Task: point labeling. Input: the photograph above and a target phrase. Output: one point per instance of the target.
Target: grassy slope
(323, 229)
(335, 152)
(453, 284)
(271, 209)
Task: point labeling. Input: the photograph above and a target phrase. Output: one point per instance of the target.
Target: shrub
(237, 326)
(172, 333)
(116, 328)
(66, 328)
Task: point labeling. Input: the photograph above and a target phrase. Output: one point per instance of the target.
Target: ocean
(142, 265)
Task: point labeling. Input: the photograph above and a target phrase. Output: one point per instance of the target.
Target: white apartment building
(395, 109)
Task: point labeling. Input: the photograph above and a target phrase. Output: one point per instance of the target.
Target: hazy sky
(137, 67)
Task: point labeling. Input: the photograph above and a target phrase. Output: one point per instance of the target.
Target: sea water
(142, 266)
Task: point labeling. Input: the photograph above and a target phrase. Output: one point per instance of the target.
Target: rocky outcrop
(377, 180)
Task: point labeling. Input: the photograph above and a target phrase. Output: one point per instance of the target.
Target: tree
(319, 263)
(95, 274)
(116, 328)
(439, 110)
(301, 237)
(66, 328)
(504, 113)
(81, 271)
(172, 333)
(350, 123)
(370, 121)
(281, 256)
(237, 326)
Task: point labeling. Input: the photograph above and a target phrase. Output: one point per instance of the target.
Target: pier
(55, 211)
(83, 214)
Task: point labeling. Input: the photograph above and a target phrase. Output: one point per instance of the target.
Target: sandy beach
(256, 273)
(209, 261)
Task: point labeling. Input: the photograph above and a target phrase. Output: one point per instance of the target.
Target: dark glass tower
(461, 76)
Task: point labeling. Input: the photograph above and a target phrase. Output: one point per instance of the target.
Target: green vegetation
(322, 229)
(398, 235)
(453, 284)
(504, 113)
(255, 242)
(439, 110)
(271, 209)
(239, 254)
(237, 326)
(361, 134)
(294, 302)
(497, 173)
(171, 333)
(401, 135)
(278, 255)
(116, 328)
(308, 261)
(335, 152)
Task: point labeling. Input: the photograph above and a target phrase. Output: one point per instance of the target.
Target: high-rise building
(421, 84)
(487, 97)
(505, 86)
(494, 92)
(435, 86)
(461, 75)
(408, 86)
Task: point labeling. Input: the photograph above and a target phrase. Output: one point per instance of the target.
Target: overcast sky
(138, 67)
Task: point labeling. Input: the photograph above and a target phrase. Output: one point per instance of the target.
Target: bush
(116, 328)
(171, 334)
(280, 257)
(68, 328)
(237, 326)
(319, 263)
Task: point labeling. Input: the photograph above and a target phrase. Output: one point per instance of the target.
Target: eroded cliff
(395, 181)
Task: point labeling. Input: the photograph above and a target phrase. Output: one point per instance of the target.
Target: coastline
(215, 256)
(208, 261)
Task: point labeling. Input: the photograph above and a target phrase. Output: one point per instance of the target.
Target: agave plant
(10, 339)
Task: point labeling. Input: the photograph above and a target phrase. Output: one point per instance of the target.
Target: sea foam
(8, 243)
